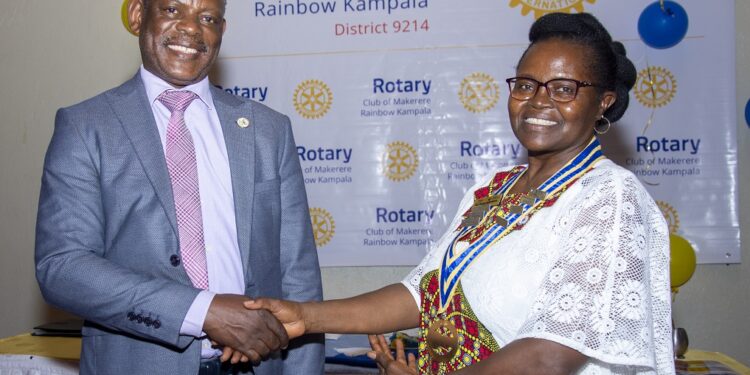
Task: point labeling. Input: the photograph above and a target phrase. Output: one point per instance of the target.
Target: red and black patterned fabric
(475, 342)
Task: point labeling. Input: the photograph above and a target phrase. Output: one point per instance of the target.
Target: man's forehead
(146, 2)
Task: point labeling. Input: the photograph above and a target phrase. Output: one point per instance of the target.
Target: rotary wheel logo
(541, 8)
(479, 92)
(655, 87)
(312, 99)
(323, 226)
(670, 214)
(400, 161)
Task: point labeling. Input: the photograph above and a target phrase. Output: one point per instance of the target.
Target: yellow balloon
(124, 16)
(682, 260)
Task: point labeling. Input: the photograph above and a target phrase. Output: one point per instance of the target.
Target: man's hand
(289, 313)
(254, 333)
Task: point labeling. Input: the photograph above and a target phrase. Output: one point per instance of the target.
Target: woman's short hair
(608, 62)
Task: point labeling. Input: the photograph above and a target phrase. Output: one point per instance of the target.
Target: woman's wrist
(307, 314)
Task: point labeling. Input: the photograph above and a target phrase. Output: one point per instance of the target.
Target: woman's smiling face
(550, 128)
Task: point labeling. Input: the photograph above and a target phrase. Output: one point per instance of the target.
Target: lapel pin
(243, 122)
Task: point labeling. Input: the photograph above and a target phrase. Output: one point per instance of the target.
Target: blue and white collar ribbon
(454, 265)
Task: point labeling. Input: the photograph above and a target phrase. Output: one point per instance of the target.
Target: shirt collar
(155, 86)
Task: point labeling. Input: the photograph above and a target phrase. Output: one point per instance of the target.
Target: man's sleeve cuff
(196, 315)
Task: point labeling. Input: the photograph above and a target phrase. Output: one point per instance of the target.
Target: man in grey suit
(166, 203)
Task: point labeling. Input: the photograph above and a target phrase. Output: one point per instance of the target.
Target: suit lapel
(130, 104)
(132, 108)
(240, 143)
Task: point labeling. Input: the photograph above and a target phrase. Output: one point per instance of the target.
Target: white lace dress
(590, 272)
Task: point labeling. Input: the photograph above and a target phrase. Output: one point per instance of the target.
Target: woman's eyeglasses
(559, 89)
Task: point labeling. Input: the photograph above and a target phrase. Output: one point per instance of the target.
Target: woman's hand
(289, 313)
(381, 353)
(231, 355)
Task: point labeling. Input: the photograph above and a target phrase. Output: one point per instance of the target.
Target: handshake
(250, 330)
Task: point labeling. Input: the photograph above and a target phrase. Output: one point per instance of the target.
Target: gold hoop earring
(598, 129)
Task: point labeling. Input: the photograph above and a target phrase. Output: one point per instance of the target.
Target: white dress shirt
(225, 272)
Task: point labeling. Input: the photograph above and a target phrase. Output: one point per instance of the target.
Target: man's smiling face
(179, 39)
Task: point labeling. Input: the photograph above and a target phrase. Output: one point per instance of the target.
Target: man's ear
(135, 15)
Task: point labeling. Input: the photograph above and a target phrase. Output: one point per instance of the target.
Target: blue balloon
(663, 28)
(747, 113)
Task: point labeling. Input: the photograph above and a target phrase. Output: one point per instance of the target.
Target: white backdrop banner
(399, 106)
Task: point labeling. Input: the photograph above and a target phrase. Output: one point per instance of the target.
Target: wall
(55, 53)
(713, 306)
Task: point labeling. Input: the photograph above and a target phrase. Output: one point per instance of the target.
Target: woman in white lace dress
(559, 266)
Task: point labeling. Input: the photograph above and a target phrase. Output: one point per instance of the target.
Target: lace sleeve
(607, 294)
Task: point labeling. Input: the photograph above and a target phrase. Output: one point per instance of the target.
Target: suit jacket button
(174, 260)
(148, 321)
(131, 316)
(139, 318)
(157, 323)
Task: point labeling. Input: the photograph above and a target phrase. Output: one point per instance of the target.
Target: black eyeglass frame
(578, 83)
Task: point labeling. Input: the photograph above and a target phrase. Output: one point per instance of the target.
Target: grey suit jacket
(106, 237)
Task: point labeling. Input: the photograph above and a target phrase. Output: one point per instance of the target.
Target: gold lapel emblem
(243, 122)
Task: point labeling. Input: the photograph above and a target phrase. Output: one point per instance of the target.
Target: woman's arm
(529, 356)
(525, 356)
(387, 309)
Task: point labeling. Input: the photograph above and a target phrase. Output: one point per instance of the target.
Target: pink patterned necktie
(183, 171)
